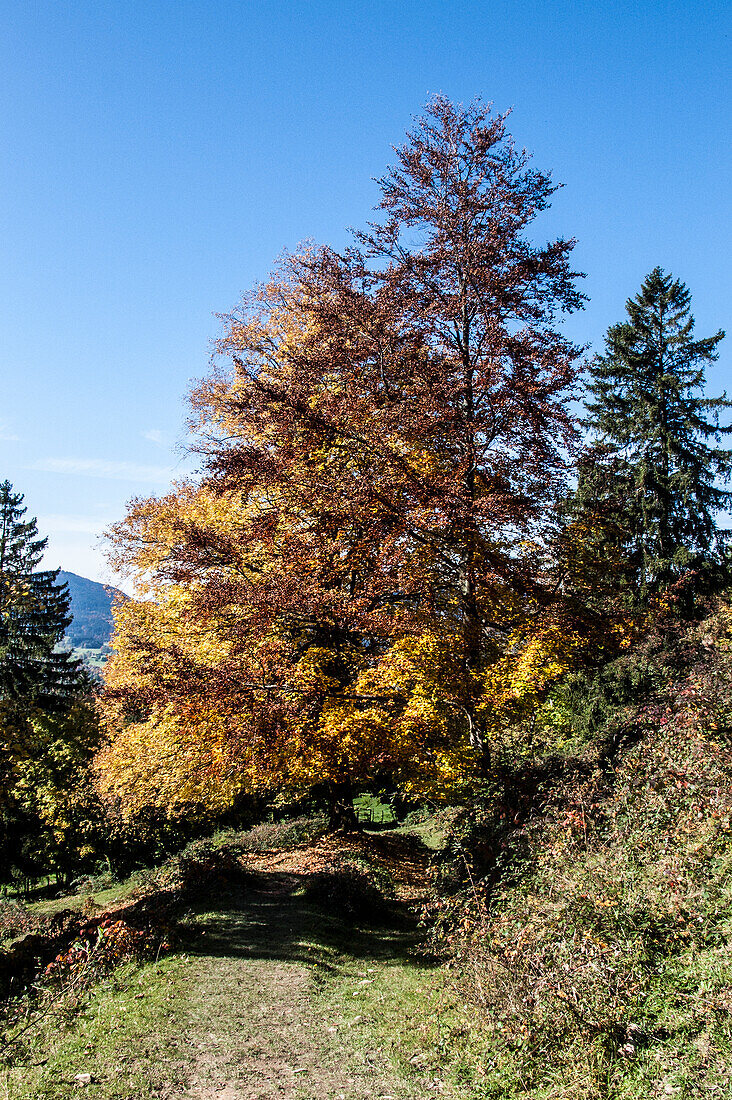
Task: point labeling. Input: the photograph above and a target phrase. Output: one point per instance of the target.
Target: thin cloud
(6, 436)
(96, 467)
(155, 436)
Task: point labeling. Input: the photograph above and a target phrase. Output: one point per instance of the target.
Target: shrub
(587, 906)
(17, 920)
(282, 834)
(194, 869)
(92, 956)
(350, 890)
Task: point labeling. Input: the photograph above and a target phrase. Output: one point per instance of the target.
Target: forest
(438, 566)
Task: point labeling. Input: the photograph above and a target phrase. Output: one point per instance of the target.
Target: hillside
(91, 607)
(577, 918)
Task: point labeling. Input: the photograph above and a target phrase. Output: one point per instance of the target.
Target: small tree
(653, 460)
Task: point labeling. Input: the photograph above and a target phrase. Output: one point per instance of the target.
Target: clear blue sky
(158, 155)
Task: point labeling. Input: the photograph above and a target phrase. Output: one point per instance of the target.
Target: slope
(91, 608)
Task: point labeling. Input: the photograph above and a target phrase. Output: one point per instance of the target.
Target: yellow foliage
(294, 626)
(172, 761)
(538, 654)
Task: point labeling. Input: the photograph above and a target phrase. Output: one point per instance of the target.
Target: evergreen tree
(657, 464)
(34, 615)
(48, 725)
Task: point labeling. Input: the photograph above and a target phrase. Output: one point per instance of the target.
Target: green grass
(409, 1010)
(370, 810)
(74, 902)
(95, 659)
(124, 1033)
(36, 914)
(582, 913)
(253, 943)
(383, 1001)
(432, 830)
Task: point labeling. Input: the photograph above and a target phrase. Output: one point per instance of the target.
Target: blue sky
(158, 155)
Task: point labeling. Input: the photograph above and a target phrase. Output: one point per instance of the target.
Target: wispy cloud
(7, 436)
(155, 436)
(96, 467)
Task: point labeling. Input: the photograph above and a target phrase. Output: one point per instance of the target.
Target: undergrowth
(586, 908)
(121, 1032)
(352, 888)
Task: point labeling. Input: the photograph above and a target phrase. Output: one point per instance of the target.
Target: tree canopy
(48, 727)
(362, 581)
(34, 615)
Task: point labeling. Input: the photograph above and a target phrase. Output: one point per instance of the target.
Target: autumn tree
(382, 459)
(657, 456)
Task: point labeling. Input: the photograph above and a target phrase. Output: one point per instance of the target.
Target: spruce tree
(658, 462)
(34, 615)
(48, 724)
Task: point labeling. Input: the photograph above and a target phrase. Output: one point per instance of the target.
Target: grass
(344, 968)
(73, 902)
(431, 828)
(408, 1009)
(286, 974)
(385, 1010)
(132, 1031)
(124, 1033)
(94, 658)
(371, 810)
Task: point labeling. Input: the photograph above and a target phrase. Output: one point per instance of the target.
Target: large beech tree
(361, 582)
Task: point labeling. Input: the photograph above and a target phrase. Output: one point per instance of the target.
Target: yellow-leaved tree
(362, 582)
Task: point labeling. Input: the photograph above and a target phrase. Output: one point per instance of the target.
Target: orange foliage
(361, 582)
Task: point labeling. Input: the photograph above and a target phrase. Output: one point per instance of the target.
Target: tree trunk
(342, 817)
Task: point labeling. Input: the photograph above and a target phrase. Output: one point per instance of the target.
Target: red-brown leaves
(382, 460)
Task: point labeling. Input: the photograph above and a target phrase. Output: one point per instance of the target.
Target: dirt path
(260, 1020)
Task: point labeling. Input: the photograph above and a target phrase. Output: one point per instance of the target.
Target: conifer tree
(48, 725)
(658, 464)
(34, 615)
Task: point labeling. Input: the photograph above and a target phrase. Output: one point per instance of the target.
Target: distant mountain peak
(91, 607)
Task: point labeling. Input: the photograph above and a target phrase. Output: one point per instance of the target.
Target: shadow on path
(268, 916)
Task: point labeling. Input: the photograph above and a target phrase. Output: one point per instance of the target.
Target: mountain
(91, 607)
